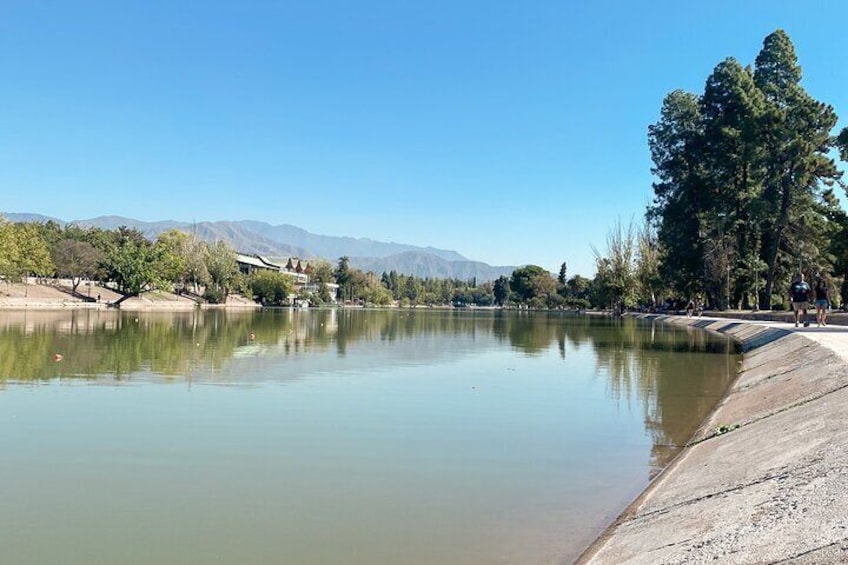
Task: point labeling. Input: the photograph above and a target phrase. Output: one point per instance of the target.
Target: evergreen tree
(796, 140)
(679, 202)
(742, 173)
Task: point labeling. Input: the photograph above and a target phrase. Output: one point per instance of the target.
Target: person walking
(799, 296)
(822, 301)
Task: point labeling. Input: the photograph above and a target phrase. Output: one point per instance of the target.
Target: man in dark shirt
(799, 295)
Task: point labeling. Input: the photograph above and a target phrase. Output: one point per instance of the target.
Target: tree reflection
(676, 392)
(659, 367)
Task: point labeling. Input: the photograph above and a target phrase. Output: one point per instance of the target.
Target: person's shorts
(800, 305)
(822, 304)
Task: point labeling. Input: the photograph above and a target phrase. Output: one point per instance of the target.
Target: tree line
(744, 196)
(180, 262)
(122, 258)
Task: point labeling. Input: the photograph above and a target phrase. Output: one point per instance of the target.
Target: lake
(336, 436)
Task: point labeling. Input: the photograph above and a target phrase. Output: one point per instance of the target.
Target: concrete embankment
(765, 479)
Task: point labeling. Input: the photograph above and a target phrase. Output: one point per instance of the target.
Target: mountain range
(260, 238)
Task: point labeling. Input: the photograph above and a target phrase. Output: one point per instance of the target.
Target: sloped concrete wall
(765, 479)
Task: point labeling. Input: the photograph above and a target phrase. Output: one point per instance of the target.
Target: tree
(742, 174)
(183, 259)
(616, 271)
(501, 290)
(322, 272)
(343, 278)
(647, 270)
(796, 141)
(76, 260)
(134, 266)
(271, 288)
(173, 255)
(578, 287)
(532, 282)
(676, 143)
(377, 294)
(32, 256)
(732, 112)
(223, 268)
(563, 273)
(842, 144)
(8, 251)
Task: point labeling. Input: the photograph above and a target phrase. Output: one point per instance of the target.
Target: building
(298, 269)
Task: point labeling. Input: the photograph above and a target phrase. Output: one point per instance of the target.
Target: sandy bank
(58, 295)
(771, 487)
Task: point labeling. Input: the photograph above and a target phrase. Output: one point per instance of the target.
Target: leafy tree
(184, 259)
(483, 294)
(375, 293)
(270, 288)
(616, 271)
(578, 287)
(32, 256)
(173, 255)
(134, 267)
(322, 272)
(648, 265)
(324, 295)
(223, 269)
(532, 282)
(8, 251)
(76, 260)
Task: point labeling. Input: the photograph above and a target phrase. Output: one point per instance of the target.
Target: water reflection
(512, 433)
(95, 343)
(672, 390)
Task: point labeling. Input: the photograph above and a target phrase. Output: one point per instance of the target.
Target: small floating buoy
(57, 357)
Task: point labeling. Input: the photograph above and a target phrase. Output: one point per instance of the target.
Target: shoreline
(762, 478)
(58, 296)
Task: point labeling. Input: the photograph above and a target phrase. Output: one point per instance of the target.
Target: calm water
(372, 437)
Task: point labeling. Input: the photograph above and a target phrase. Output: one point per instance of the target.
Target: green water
(323, 437)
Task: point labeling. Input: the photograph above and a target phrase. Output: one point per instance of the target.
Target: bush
(577, 303)
(215, 295)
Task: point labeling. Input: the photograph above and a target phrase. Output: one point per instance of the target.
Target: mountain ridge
(262, 238)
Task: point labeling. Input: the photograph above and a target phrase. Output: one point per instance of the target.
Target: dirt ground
(57, 293)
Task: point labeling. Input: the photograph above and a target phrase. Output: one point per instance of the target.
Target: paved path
(764, 480)
(834, 337)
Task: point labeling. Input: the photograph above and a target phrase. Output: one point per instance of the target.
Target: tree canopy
(743, 172)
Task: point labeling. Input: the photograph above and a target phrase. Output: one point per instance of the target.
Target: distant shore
(59, 295)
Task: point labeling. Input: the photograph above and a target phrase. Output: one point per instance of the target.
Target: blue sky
(512, 132)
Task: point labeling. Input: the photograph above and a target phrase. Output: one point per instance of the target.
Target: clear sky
(512, 132)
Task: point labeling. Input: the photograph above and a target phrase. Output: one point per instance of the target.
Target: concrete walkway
(765, 480)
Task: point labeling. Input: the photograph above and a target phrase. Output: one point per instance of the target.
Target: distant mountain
(429, 265)
(330, 246)
(233, 233)
(284, 240)
(26, 217)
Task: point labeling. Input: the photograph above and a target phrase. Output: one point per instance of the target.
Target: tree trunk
(771, 260)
